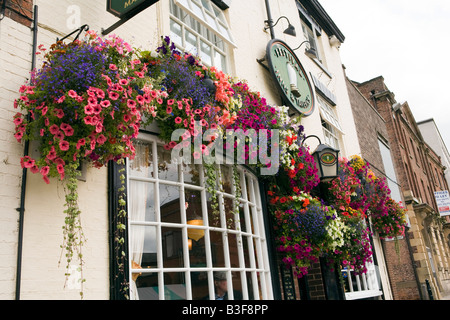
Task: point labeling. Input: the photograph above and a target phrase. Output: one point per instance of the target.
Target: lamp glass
(327, 161)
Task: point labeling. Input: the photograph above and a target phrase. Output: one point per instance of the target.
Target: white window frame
(366, 285)
(332, 132)
(207, 18)
(258, 265)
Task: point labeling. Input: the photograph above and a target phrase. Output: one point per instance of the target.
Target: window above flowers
(330, 124)
(200, 27)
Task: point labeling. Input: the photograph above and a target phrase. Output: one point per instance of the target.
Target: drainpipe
(269, 20)
(21, 209)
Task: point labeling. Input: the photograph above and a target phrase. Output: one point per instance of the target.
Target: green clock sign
(290, 77)
(121, 8)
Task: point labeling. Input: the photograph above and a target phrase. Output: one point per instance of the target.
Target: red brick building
(420, 265)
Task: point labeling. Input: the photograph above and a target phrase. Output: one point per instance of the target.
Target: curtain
(138, 193)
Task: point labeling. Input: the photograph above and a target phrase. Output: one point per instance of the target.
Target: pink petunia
(59, 113)
(18, 121)
(88, 120)
(112, 66)
(54, 129)
(178, 120)
(18, 136)
(52, 154)
(46, 179)
(88, 109)
(131, 103)
(64, 145)
(140, 99)
(72, 94)
(101, 139)
(34, 169)
(105, 103)
(99, 127)
(97, 109)
(123, 82)
(113, 95)
(80, 143)
(169, 110)
(27, 162)
(59, 136)
(45, 170)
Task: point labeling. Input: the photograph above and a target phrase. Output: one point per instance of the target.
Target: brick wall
(20, 11)
(373, 119)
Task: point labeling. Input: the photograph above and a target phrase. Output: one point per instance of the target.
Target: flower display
(84, 104)
(90, 98)
(305, 229)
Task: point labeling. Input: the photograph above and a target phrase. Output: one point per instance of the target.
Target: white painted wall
(15, 65)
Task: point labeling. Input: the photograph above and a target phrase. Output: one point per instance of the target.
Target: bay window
(178, 244)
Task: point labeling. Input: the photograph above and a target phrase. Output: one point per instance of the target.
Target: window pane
(166, 169)
(212, 22)
(142, 201)
(191, 173)
(220, 61)
(172, 247)
(197, 9)
(237, 285)
(147, 286)
(217, 249)
(246, 249)
(169, 203)
(191, 42)
(142, 165)
(206, 5)
(229, 203)
(199, 282)
(174, 286)
(213, 213)
(143, 246)
(193, 205)
(196, 245)
(205, 53)
(234, 244)
(176, 33)
(227, 180)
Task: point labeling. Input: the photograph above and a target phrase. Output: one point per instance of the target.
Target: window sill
(321, 66)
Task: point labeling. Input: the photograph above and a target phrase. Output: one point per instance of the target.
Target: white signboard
(443, 202)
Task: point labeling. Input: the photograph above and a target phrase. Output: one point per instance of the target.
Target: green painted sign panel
(121, 8)
(290, 77)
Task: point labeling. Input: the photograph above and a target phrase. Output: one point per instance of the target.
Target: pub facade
(188, 226)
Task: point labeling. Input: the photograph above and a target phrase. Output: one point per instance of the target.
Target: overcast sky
(405, 41)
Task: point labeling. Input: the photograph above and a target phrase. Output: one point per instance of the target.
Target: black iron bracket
(84, 27)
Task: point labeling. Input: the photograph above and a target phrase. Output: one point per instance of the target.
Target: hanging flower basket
(84, 104)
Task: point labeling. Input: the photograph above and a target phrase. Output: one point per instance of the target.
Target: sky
(405, 41)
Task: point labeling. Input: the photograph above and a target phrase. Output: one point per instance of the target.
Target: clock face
(290, 77)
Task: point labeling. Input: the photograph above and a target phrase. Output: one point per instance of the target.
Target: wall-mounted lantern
(326, 159)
